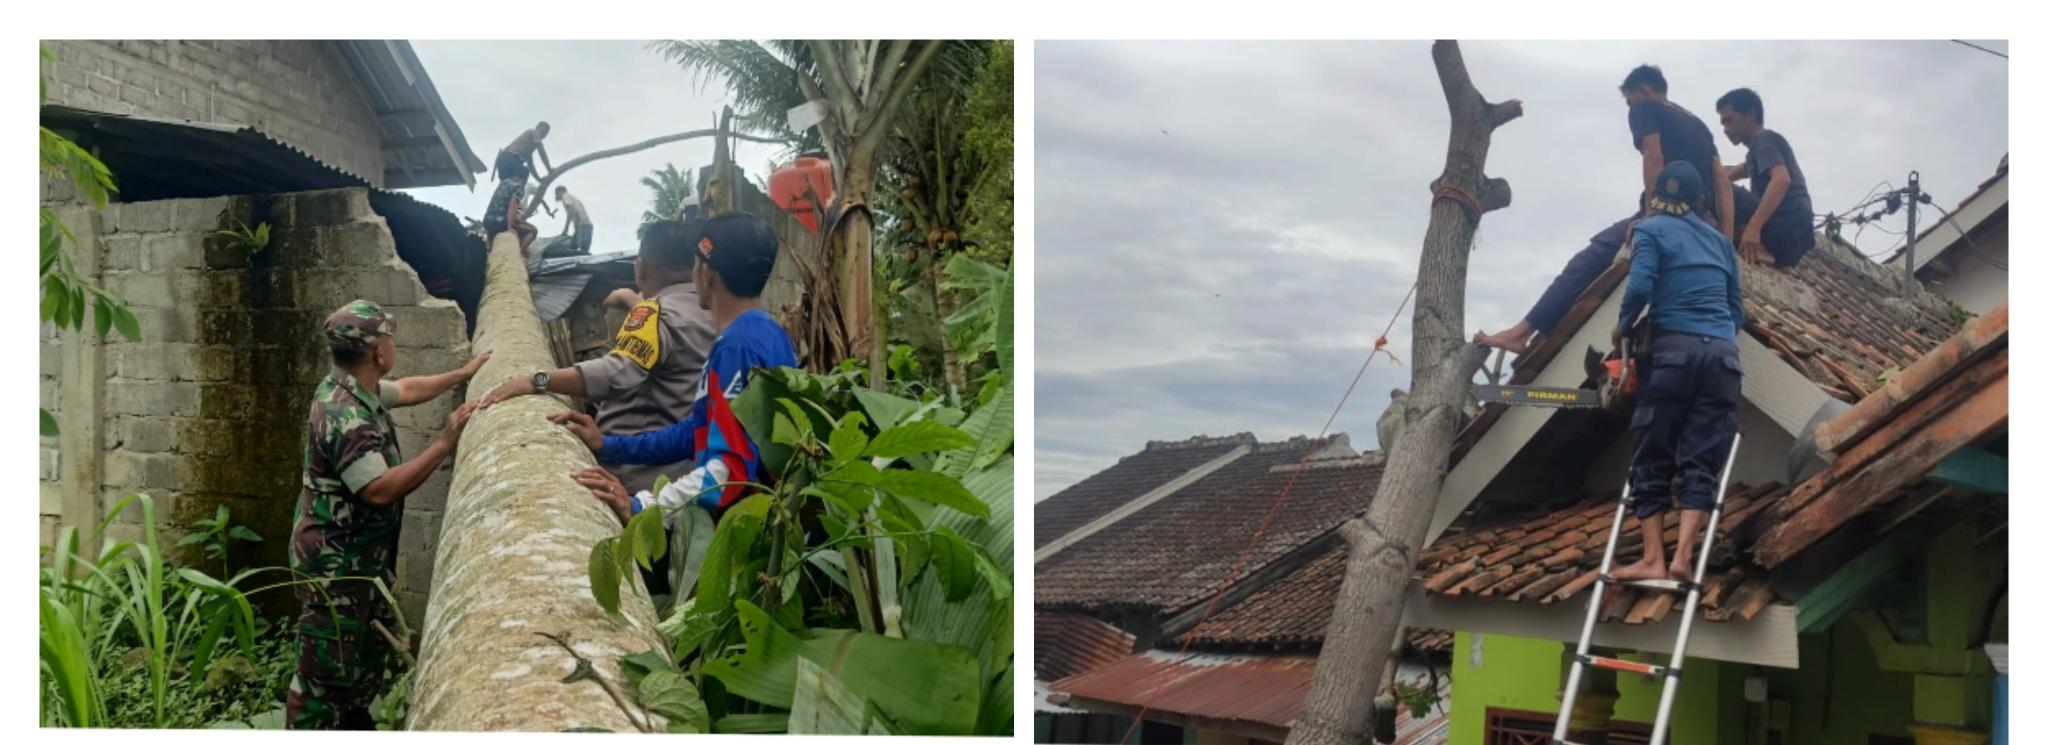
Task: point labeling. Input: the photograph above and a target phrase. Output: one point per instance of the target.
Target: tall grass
(94, 605)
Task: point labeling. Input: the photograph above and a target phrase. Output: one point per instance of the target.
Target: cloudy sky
(595, 95)
(1223, 228)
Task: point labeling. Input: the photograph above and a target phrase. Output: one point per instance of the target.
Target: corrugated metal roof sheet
(1261, 689)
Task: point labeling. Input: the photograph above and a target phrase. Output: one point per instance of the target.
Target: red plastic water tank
(787, 186)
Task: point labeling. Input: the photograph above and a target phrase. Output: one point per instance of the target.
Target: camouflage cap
(357, 324)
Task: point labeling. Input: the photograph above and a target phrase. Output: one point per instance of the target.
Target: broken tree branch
(584, 664)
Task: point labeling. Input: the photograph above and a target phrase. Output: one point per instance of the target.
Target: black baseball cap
(740, 248)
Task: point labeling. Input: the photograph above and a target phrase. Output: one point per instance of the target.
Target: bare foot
(1503, 341)
(1681, 568)
(1646, 568)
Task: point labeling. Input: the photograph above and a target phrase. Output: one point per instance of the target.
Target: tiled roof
(1832, 318)
(1129, 479)
(1835, 317)
(1073, 643)
(1552, 555)
(1294, 610)
(1176, 553)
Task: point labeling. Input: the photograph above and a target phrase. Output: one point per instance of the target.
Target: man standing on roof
(735, 253)
(1776, 218)
(503, 213)
(649, 379)
(1664, 133)
(352, 492)
(1684, 270)
(577, 217)
(516, 159)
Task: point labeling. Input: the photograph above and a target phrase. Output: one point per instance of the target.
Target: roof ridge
(1202, 441)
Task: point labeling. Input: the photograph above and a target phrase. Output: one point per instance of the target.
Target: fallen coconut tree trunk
(513, 554)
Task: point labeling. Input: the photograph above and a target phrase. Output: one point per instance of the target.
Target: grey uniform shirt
(650, 377)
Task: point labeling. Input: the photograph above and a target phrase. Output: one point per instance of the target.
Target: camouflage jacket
(350, 441)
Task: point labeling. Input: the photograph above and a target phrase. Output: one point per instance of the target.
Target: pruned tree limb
(1365, 624)
(541, 189)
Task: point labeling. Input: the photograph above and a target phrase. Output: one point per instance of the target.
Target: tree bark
(942, 303)
(514, 554)
(1385, 542)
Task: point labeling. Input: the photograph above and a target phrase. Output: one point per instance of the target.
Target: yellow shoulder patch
(639, 337)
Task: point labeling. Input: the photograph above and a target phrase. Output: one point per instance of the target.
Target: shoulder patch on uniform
(639, 337)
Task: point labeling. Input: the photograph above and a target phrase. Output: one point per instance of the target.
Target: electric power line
(2000, 54)
(1967, 241)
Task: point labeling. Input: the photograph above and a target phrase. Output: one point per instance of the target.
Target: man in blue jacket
(1684, 270)
(735, 254)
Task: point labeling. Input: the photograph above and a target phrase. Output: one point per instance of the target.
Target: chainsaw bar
(1522, 395)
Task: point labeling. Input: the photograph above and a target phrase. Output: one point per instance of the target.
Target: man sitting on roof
(516, 159)
(1684, 269)
(1664, 133)
(1777, 218)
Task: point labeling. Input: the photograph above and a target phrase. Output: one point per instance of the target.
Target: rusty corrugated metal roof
(1264, 689)
(1261, 689)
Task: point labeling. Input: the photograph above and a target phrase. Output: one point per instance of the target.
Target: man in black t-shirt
(1775, 215)
(1664, 133)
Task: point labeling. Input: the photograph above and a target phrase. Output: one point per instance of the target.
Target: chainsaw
(1614, 377)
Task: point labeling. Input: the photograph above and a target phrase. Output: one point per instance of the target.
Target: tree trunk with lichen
(512, 561)
(1384, 543)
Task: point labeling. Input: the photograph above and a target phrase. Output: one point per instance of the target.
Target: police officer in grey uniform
(650, 377)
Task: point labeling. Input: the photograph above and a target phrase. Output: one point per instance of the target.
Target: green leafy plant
(214, 535)
(866, 591)
(251, 241)
(66, 295)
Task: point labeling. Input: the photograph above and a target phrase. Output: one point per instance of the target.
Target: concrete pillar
(514, 551)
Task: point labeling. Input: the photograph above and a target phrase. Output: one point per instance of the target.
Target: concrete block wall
(298, 91)
(209, 408)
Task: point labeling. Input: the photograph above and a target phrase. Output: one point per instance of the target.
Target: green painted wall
(1522, 673)
(1838, 696)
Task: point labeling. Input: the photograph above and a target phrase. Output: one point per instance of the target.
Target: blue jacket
(1685, 270)
(712, 434)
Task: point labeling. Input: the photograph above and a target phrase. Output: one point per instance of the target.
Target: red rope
(1230, 578)
(1456, 194)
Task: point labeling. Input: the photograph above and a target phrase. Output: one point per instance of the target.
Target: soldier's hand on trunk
(581, 425)
(457, 419)
(475, 363)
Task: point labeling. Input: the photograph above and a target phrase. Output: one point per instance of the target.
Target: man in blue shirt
(1684, 270)
(735, 255)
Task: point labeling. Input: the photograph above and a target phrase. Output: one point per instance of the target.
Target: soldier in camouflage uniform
(345, 528)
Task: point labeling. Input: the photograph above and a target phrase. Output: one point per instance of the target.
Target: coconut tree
(858, 87)
(670, 188)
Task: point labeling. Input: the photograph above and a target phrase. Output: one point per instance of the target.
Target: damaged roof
(1255, 695)
(1065, 644)
(1177, 552)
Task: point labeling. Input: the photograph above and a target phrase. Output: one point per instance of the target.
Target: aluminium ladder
(1670, 673)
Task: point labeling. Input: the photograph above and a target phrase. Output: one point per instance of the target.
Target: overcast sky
(595, 95)
(1223, 228)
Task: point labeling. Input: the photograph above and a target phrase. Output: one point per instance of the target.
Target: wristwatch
(540, 382)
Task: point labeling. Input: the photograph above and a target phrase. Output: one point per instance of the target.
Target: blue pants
(1788, 235)
(1578, 274)
(1684, 422)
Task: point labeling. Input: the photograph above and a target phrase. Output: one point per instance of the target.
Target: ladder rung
(1661, 585)
(1627, 666)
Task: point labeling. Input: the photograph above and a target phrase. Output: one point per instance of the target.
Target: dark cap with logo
(1678, 188)
(357, 325)
(739, 247)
